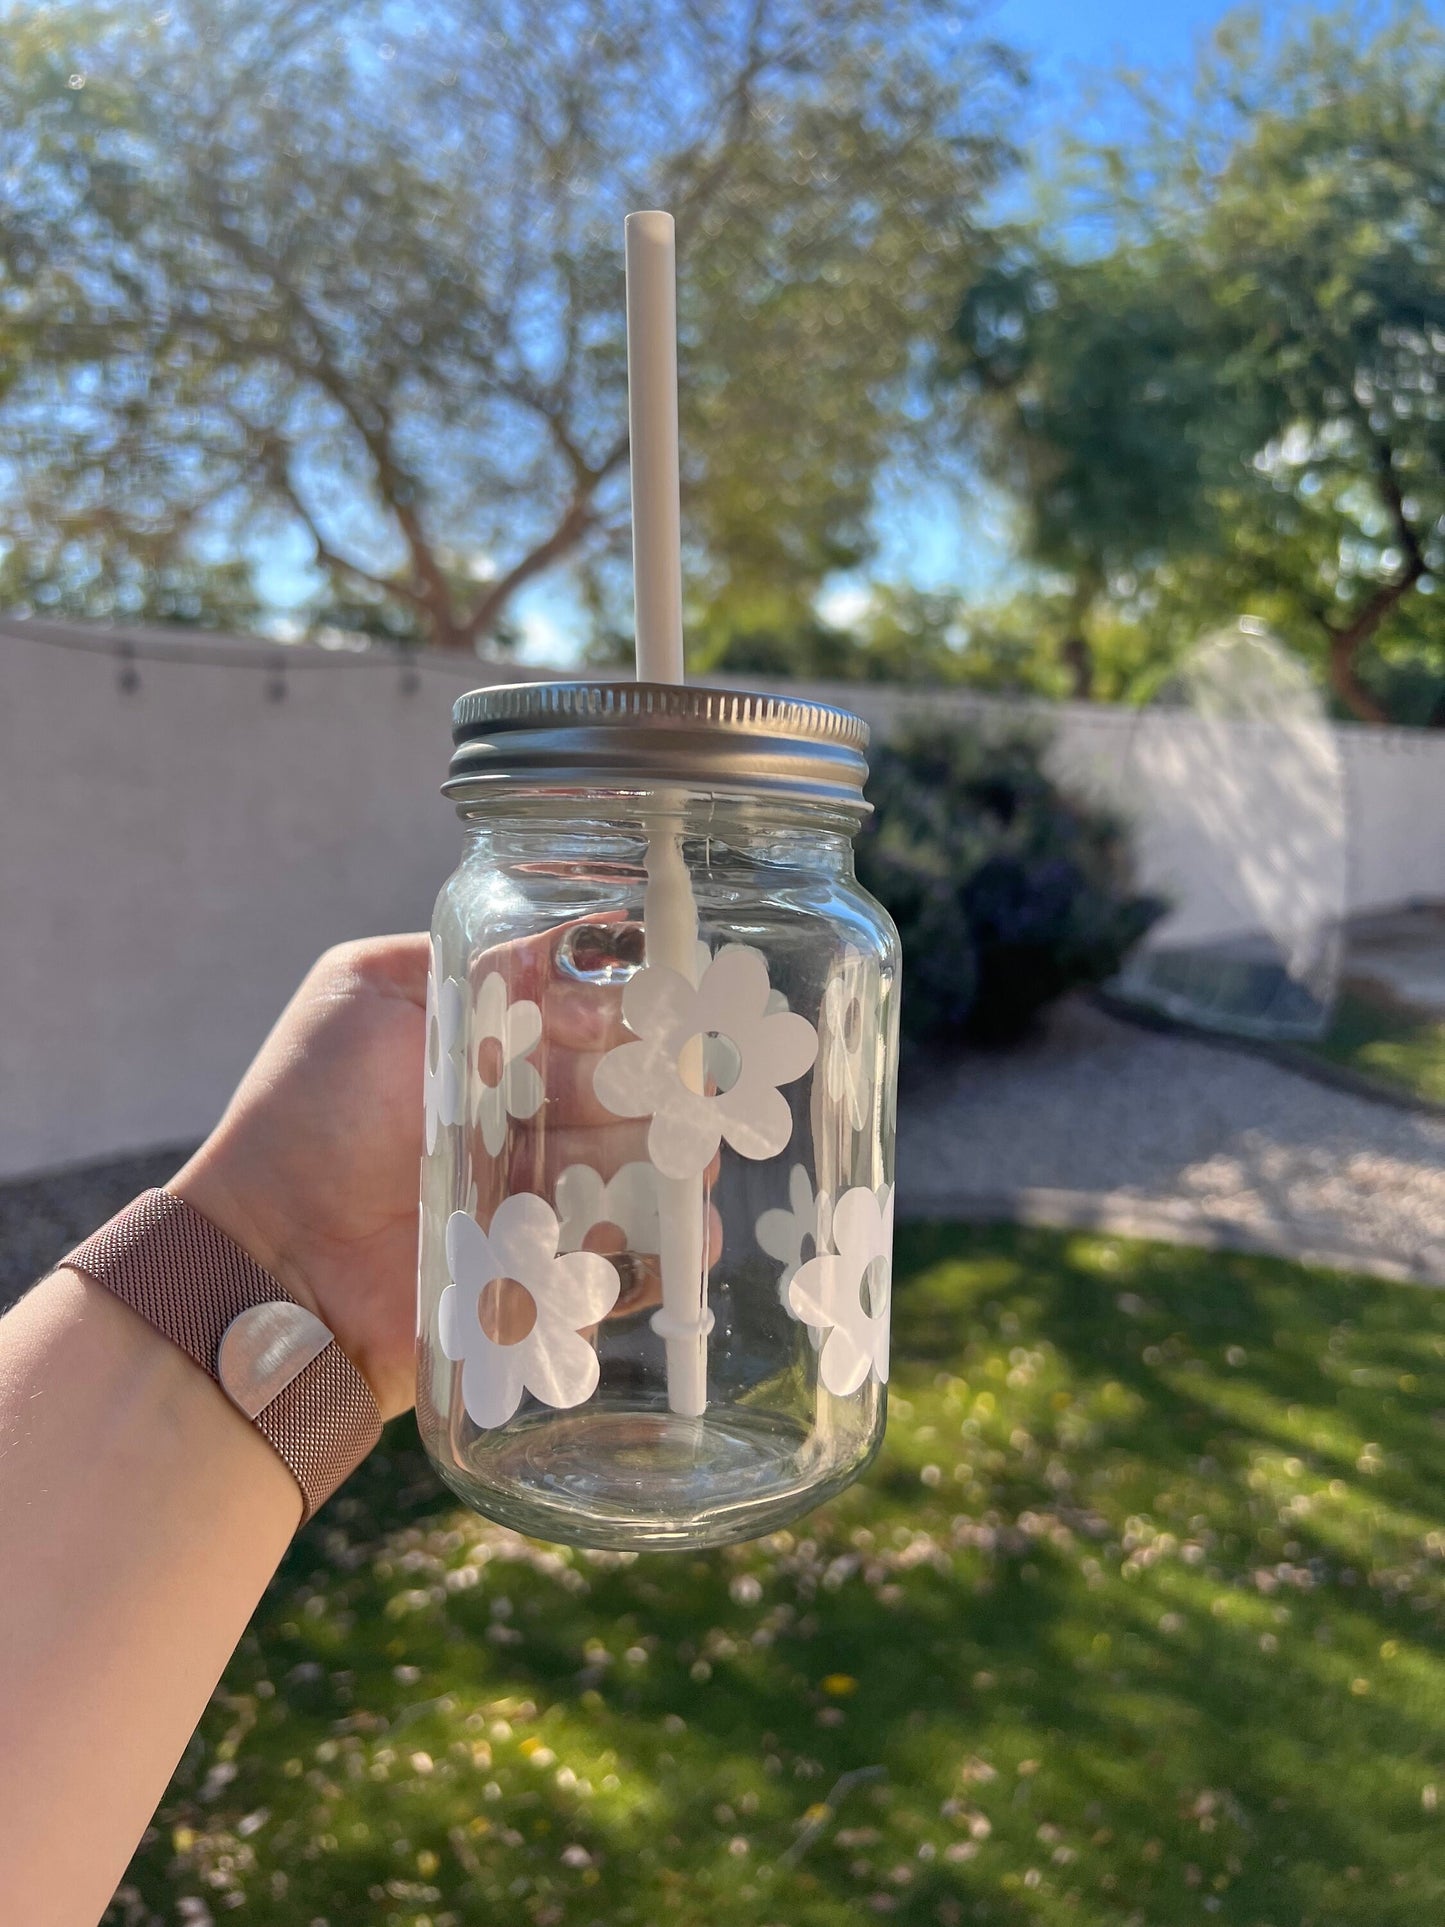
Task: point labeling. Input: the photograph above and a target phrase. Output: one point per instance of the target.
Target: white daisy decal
(503, 1084)
(827, 1292)
(442, 1077)
(514, 1312)
(799, 1232)
(628, 1200)
(748, 1051)
(777, 999)
(850, 1035)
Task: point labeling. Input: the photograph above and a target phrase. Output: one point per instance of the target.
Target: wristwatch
(275, 1360)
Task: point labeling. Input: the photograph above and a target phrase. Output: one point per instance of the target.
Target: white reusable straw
(669, 910)
(652, 433)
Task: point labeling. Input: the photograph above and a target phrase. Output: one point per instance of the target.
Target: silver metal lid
(641, 735)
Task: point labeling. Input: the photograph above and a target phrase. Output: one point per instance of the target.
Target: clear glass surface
(762, 1081)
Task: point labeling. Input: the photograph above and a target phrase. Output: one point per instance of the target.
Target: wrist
(316, 1263)
(159, 1408)
(272, 1356)
(208, 1183)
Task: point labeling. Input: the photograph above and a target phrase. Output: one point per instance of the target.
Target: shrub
(1006, 891)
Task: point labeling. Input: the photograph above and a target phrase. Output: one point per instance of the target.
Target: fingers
(583, 1017)
(580, 1021)
(537, 1158)
(566, 972)
(571, 1096)
(640, 1273)
(394, 966)
(563, 971)
(541, 1156)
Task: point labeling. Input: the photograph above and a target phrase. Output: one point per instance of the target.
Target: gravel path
(1100, 1122)
(1094, 1122)
(43, 1218)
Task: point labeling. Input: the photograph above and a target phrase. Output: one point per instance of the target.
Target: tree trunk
(1078, 659)
(445, 632)
(564, 538)
(1345, 647)
(1346, 644)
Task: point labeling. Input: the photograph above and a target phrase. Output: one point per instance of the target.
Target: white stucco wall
(173, 857)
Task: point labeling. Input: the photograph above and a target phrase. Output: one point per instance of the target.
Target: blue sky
(1062, 35)
(936, 539)
(929, 536)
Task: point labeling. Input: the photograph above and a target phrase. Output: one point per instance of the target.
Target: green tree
(1214, 373)
(901, 636)
(353, 275)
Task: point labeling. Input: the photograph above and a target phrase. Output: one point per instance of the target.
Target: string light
(277, 661)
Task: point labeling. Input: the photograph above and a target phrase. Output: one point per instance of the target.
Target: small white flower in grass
(514, 1312)
(799, 1232)
(850, 1027)
(442, 1081)
(504, 1085)
(827, 1291)
(628, 1199)
(744, 1044)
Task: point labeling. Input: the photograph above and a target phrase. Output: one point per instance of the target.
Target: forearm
(140, 1518)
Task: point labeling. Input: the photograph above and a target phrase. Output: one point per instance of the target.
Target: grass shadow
(1138, 1618)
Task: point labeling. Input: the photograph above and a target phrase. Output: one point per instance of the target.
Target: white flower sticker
(514, 1312)
(442, 1079)
(777, 999)
(628, 1200)
(827, 1292)
(849, 1027)
(787, 1234)
(503, 1084)
(753, 1049)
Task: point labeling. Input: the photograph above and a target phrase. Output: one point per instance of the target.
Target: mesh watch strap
(195, 1286)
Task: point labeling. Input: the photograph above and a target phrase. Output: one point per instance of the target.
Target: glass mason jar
(657, 1194)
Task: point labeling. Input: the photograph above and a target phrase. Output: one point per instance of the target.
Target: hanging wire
(277, 659)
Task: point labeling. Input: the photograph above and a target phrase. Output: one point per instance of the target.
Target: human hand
(574, 1145)
(315, 1167)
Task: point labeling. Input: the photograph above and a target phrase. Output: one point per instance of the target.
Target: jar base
(651, 1480)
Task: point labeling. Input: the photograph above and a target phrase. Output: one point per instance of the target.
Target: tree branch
(579, 516)
(1346, 643)
(734, 112)
(567, 534)
(277, 469)
(1389, 484)
(367, 414)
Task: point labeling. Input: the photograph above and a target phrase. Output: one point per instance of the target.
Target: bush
(1006, 892)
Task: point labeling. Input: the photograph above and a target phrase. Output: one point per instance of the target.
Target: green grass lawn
(1386, 1042)
(1138, 1619)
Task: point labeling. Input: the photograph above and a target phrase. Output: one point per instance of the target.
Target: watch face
(264, 1348)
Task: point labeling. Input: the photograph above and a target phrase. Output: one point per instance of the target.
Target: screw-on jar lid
(642, 735)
